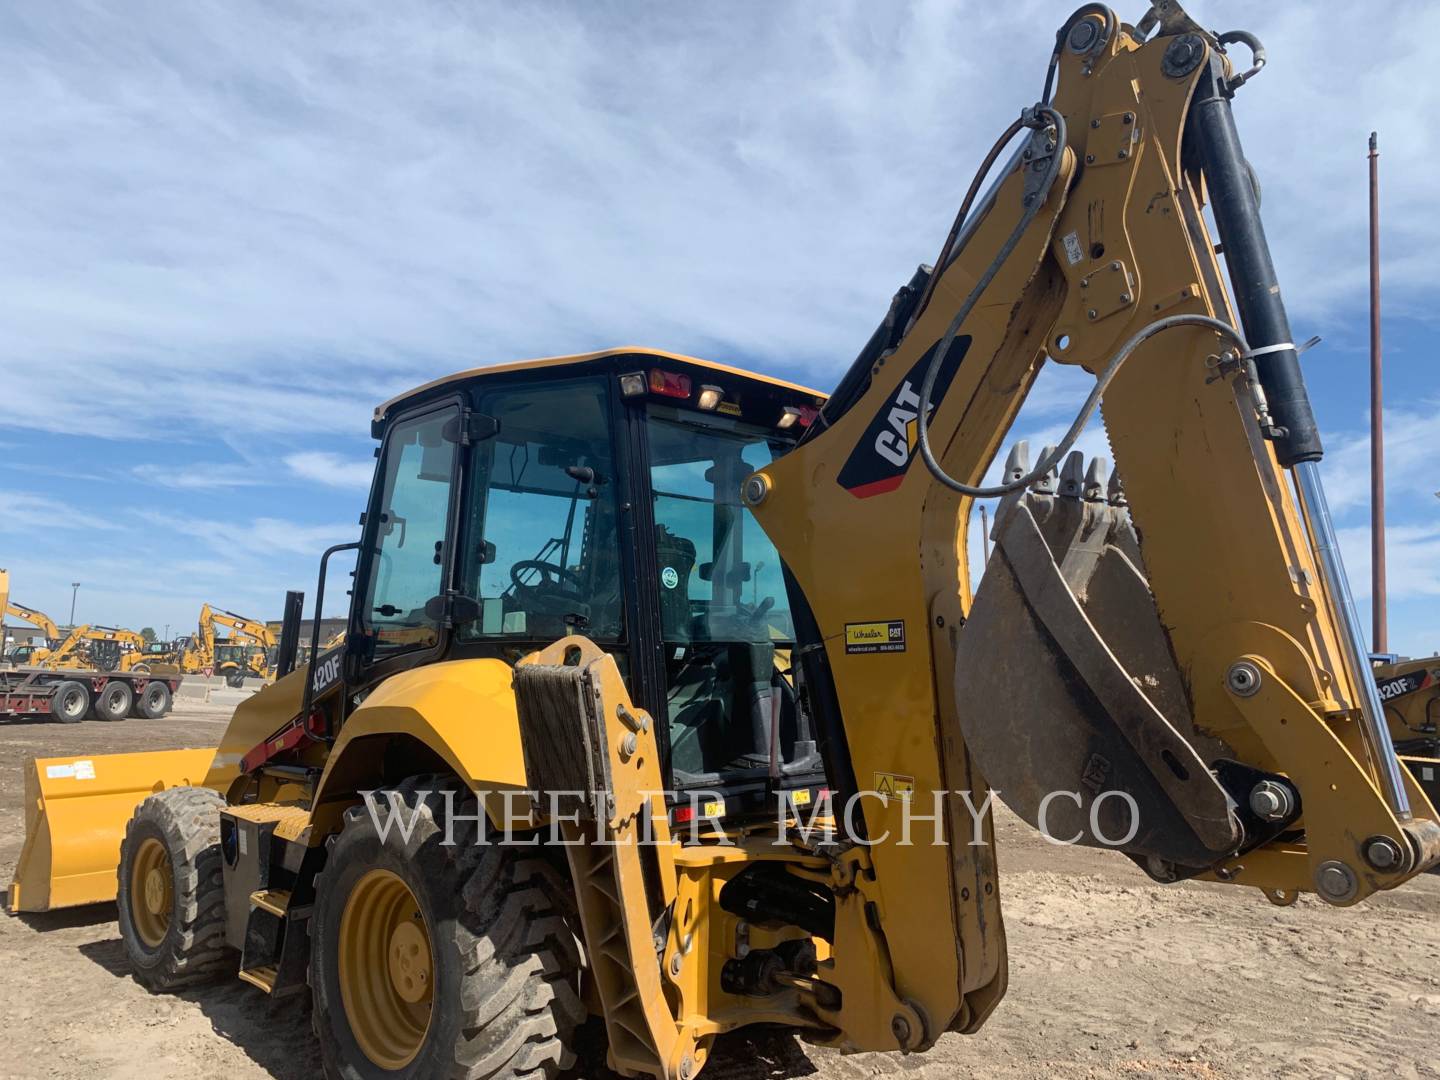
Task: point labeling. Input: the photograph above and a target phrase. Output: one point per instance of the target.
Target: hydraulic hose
(1049, 461)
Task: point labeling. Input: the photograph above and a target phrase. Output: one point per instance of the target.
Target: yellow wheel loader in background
(652, 664)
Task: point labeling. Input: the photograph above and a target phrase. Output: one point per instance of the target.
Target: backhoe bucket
(1064, 642)
(76, 810)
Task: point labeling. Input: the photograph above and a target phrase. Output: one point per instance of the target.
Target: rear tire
(154, 701)
(500, 985)
(171, 893)
(114, 701)
(70, 702)
(235, 679)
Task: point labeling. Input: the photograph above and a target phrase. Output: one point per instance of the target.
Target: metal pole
(1377, 432)
(985, 533)
(74, 590)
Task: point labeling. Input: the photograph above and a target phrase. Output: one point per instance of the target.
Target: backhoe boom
(1165, 667)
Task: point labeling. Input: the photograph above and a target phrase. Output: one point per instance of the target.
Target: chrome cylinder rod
(1352, 637)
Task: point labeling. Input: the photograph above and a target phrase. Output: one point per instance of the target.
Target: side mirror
(478, 427)
(453, 609)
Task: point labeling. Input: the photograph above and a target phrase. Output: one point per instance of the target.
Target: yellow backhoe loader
(1410, 689)
(21, 655)
(244, 654)
(554, 769)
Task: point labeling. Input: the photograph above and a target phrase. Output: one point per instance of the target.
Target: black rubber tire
(187, 821)
(154, 701)
(235, 679)
(71, 702)
(114, 701)
(506, 960)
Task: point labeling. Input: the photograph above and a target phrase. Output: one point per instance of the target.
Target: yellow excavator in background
(244, 654)
(554, 769)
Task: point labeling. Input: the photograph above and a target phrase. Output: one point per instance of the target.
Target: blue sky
(231, 229)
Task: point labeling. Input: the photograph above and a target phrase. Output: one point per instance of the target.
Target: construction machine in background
(95, 672)
(90, 671)
(575, 577)
(243, 654)
(1410, 689)
(19, 655)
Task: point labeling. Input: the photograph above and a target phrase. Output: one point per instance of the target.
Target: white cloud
(199, 476)
(32, 515)
(331, 470)
(1411, 474)
(254, 539)
(1412, 560)
(270, 219)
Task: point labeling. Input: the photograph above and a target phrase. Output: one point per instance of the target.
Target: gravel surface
(1111, 976)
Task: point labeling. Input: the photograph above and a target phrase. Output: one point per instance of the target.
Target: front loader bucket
(76, 810)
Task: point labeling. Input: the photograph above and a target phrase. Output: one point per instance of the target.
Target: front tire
(171, 891)
(434, 960)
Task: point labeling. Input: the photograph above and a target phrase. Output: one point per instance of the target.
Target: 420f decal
(877, 464)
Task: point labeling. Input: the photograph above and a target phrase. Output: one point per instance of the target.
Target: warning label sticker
(873, 637)
(79, 770)
(889, 783)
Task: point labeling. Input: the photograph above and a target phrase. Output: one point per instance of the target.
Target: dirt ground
(1111, 976)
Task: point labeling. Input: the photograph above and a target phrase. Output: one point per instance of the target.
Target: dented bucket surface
(76, 809)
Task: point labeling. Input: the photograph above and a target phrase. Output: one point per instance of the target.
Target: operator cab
(599, 495)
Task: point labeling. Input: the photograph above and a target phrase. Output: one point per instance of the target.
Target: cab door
(408, 556)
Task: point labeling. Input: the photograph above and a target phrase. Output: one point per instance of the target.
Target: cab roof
(384, 409)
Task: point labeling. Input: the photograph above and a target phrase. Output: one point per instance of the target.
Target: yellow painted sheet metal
(76, 809)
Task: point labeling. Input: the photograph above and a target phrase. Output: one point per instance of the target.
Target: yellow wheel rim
(386, 968)
(152, 892)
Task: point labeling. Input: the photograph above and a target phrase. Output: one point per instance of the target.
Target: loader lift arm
(1257, 756)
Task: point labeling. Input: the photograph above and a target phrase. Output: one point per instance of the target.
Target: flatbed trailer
(70, 695)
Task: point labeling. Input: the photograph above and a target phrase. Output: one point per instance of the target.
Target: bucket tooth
(1115, 492)
(1047, 484)
(1095, 478)
(1072, 475)
(1017, 464)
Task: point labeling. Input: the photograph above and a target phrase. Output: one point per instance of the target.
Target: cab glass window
(724, 613)
(542, 545)
(407, 567)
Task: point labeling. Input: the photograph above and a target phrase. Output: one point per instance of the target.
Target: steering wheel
(553, 576)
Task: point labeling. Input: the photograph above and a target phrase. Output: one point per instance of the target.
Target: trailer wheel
(154, 701)
(171, 894)
(114, 701)
(428, 959)
(70, 702)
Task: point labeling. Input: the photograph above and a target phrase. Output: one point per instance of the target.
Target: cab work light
(710, 397)
(632, 384)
